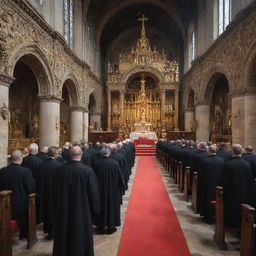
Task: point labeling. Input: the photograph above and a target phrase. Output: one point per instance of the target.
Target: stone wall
(233, 55)
(25, 35)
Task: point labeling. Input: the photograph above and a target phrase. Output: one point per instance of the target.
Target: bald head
(237, 149)
(44, 149)
(16, 157)
(76, 153)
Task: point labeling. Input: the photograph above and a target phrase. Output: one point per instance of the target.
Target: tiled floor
(198, 235)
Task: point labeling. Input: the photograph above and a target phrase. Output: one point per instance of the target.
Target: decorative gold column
(122, 106)
(176, 109)
(109, 109)
(162, 105)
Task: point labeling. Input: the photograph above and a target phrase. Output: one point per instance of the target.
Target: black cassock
(251, 158)
(47, 168)
(111, 185)
(42, 155)
(75, 198)
(33, 162)
(211, 177)
(238, 189)
(20, 181)
(224, 153)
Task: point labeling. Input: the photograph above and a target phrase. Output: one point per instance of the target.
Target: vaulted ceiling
(117, 27)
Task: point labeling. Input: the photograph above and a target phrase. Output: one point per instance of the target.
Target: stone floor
(198, 235)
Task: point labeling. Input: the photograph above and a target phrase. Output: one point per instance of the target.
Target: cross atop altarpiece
(143, 19)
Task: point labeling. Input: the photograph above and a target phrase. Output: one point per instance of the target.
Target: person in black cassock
(43, 153)
(111, 184)
(76, 199)
(223, 152)
(211, 177)
(251, 158)
(238, 187)
(20, 181)
(60, 158)
(33, 162)
(47, 168)
(66, 152)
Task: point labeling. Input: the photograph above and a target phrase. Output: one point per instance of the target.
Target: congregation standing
(234, 170)
(77, 186)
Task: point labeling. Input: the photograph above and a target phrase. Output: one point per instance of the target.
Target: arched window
(68, 21)
(224, 14)
(193, 45)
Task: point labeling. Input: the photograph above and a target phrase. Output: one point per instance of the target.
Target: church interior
(142, 70)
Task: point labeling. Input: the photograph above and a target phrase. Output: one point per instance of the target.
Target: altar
(143, 138)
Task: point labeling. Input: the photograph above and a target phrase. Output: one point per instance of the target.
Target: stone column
(202, 116)
(122, 106)
(250, 120)
(49, 123)
(86, 126)
(5, 82)
(238, 119)
(109, 110)
(76, 125)
(176, 109)
(189, 118)
(162, 105)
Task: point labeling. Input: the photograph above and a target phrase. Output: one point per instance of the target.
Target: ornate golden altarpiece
(143, 107)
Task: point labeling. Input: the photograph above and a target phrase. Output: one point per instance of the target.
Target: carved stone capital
(6, 80)
(49, 98)
(77, 108)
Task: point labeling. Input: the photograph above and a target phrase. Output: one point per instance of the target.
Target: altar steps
(145, 151)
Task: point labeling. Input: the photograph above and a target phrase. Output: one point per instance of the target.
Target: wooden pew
(179, 164)
(5, 224)
(248, 231)
(32, 239)
(220, 229)
(181, 179)
(195, 193)
(187, 188)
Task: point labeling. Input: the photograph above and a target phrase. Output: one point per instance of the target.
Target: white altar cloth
(148, 135)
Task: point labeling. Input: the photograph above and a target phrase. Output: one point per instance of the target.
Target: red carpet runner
(151, 226)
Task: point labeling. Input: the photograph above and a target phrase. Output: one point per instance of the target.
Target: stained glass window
(224, 16)
(68, 21)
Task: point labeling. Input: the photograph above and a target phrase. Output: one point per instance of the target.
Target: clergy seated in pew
(238, 188)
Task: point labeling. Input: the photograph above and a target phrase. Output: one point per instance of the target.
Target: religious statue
(5, 113)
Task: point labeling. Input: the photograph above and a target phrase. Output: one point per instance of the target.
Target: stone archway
(217, 94)
(70, 112)
(190, 124)
(24, 106)
(94, 115)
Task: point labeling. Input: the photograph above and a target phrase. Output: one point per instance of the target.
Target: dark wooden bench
(5, 222)
(195, 193)
(220, 228)
(248, 241)
(187, 188)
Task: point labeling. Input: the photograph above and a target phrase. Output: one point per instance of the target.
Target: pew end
(32, 239)
(194, 193)
(248, 231)
(219, 235)
(186, 184)
(5, 224)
